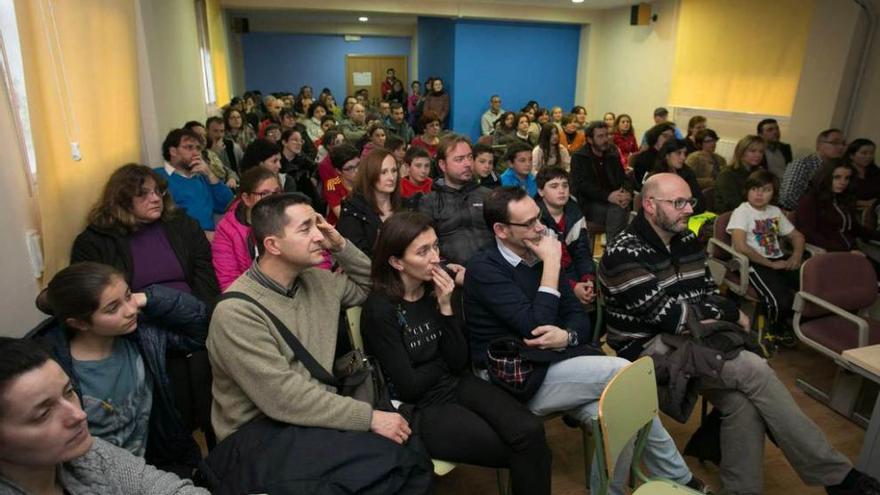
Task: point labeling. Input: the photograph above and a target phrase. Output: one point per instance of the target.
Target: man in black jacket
(777, 154)
(599, 183)
(654, 278)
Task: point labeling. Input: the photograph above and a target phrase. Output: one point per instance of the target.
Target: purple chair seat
(837, 333)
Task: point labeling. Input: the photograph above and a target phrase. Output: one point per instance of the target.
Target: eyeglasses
(190, 147)
(835, 143)
(529, 224)
(679, 203)
(263, 194)
(143, 193)
(350, 169)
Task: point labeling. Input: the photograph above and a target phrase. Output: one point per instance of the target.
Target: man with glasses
(193, 186)
(455, 203)
(654, 280)
(512, 288)
(777, 154)
(830, 145)
(487, 121)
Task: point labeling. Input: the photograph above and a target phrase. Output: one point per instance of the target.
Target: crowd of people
(297, 209)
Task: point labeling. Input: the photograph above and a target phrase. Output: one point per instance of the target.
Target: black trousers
(488, 427)
(776, 288)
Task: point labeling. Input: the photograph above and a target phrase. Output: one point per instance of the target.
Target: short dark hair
(495, 206)
(514, 148)
(314, 106)
(827, 132)
(764, 122)
(17, 357)
(269, 217)
(289, 132)
(212, 120)
(193, 124)
(761, 178)
(661, 112)
(396, 104)
(342, 154)
(329, 117)
(415, 152)
(448, 142)
(253, 177)
(593, 127)
(392, 142)
(546, 174)
(256, 152)
(654, 133)
(396, 234)
(480, 148)
(173, 139)
(703, 135)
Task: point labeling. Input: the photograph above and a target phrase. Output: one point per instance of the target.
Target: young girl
(112, 344)
(375, 137)
(345, 160)
(549, 152)
(484, 166)
(418, 164)
(409, 325)
(625, 138)
(375, 196)
(233, 250)
(755, 228)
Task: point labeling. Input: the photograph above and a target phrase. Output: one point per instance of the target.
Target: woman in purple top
(135, 228)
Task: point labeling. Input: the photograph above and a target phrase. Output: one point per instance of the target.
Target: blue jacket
(500, 300)
(197, 197)
(172, 320)
(576, 239)
(509, 178)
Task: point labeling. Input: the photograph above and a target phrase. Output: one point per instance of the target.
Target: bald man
(654, 277)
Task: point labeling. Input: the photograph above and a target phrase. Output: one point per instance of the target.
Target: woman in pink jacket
(233, 249)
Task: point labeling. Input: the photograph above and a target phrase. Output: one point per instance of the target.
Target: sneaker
(855, 483)
(698, 486)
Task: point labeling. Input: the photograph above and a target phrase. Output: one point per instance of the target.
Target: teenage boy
(418, 163)
(484, 167)
(563, 216)
(519, 173)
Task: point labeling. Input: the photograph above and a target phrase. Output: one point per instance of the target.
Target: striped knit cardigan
(649, 288)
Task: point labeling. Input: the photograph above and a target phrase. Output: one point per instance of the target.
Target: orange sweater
(576, 144)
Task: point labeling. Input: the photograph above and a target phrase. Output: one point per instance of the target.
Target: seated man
(257, 375)
(599, 182)
(654, 277)
(512, 287)
(397, 123)
(456, 202)
(46, 443)
(191, 183)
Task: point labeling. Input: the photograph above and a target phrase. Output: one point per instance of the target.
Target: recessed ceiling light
(577, 1)
(364, 18)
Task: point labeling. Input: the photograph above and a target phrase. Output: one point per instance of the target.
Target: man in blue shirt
(193, 186)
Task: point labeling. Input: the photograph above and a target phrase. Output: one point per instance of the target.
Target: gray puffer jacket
(109, 470)
(458, 219)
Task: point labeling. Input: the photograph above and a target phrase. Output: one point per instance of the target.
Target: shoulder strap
(315, 369)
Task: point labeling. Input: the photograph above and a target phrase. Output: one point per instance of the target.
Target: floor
(568, 474)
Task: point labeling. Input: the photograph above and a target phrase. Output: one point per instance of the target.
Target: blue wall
(284, 62)
(436, 40)
(518, 61)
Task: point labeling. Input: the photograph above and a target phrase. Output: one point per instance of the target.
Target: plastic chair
(663, 487)
(626, 410)
(831, 317)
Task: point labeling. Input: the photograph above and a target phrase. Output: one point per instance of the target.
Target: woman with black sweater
(409, 326)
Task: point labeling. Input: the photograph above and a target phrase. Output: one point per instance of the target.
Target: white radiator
(725, 148)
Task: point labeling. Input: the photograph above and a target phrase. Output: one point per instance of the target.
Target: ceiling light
(577, 1)
(364, 18)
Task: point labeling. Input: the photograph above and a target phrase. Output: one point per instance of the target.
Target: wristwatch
(572, 338)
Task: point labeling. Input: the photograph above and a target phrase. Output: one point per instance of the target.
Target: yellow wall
(740, 55)
(98, 58)
(219, 52)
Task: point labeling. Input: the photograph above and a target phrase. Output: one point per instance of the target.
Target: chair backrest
(709, 198)
(627, 405)
(486, 140)
(662, 487)
(353, 314)
(844, 279)
(719, 231)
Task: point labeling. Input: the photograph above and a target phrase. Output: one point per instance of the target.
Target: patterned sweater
(649, 288)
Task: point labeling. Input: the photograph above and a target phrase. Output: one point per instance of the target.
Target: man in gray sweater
(256, 373)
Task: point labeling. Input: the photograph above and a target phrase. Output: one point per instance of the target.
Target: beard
(670, 224)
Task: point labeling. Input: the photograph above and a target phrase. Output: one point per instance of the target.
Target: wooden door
(363, 69)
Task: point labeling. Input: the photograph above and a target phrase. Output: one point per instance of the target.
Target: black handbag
(520, 370)
(354, 374)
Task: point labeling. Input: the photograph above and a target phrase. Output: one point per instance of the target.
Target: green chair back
(353, 314)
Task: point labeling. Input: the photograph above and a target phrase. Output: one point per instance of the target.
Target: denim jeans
(574, 386)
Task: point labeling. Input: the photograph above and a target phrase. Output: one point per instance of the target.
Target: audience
(299, 171)
(549, 152)
(112, 343)
(505, 129)
(418, 166)
(484, 166)
(487, 120)
(273, 116)
(409, 326)
(398, 125)
(325, 436)
(777, 154)
(866, 175)
(345, 159)
(830, 145)
(355, 126)
(374, 197)
(661, 116)
(730, 189)
(580, 117)
(375, 138)
(572, 136)
(437, 101)
(519, 173)
(625, 138)
(705, 163)
(643, 162)
(671, 159)
(654, 279)
(609, 119)
(413, 102)
(57, 454)
(331, 138)
(190, 181)
(696, 124)
(556, 116)
(455, 205)
(273, 133)
(226, 149)
(512, 289)
(237, 129)
(755, 228)
(561, 214)
(233, 249)
(135, 228)
(599, 183)
(430, 124)
(314, 122)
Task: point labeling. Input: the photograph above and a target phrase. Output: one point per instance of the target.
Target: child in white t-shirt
(756, 228)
